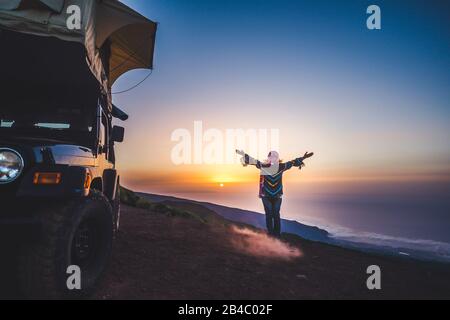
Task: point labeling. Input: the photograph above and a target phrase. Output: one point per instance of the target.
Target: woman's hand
(308, 155)
(242, 153)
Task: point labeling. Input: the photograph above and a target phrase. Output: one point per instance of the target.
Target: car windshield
(35, 116)
(37, 120)
(63, 118)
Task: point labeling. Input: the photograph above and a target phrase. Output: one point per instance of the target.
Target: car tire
(79, 233)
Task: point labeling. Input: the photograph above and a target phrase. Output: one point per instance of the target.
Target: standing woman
(271, 185)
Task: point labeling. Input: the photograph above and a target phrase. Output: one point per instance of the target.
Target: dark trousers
(272, 207)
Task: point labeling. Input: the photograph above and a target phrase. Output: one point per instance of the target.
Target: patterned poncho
(271, 183)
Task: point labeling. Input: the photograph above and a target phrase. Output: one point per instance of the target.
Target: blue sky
(361, 99)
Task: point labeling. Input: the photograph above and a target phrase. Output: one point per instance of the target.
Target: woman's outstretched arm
(248, 160)
(297, 162)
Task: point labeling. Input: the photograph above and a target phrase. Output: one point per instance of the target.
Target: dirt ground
(161, 257)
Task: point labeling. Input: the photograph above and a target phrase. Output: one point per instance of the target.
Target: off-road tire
(43, 265)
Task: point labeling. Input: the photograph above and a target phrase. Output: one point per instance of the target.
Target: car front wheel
(76, 237)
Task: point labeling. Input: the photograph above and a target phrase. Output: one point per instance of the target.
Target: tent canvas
(107, 26)
(32, 68)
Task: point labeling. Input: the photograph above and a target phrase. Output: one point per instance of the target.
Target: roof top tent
(113, 40)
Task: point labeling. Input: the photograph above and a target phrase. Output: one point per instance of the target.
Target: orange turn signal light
(87, 181)
(47, 178)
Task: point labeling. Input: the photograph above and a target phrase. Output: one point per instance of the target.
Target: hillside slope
(244, 216)
(176, 256)
(172, 251)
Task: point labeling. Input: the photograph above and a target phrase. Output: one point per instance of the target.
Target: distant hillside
(306, 232)
(243, 216)
(175, 208)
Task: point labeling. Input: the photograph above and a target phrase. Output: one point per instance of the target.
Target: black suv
(59, 187)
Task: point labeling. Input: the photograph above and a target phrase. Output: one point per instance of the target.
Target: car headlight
(11, 165)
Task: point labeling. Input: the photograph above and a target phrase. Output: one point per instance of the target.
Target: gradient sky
(373, 105)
